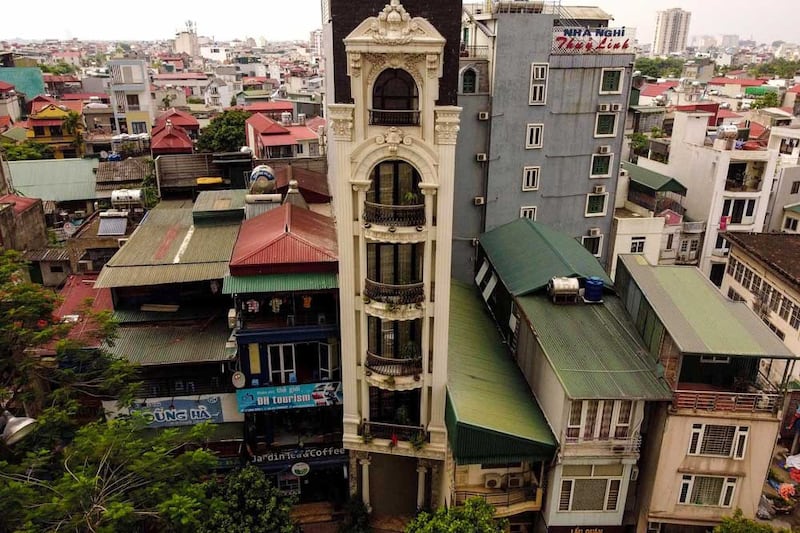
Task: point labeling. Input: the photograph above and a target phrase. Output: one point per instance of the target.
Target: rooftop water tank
(564, 290)
(594, 290)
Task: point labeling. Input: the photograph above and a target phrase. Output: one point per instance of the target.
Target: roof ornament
(393, 25)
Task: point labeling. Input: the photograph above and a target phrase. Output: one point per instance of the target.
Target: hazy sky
(294, 19)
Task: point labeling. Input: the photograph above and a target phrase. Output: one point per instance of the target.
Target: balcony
(693, 227)
(616, 446)
(382, 430)
(506, 502)
(405, 294)
(391, 366)
(474, 52)
(761, 402)
(394, 215)
(393, 117)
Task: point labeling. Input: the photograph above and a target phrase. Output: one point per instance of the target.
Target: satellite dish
(69, 228)
(238, 379)
(103, 154)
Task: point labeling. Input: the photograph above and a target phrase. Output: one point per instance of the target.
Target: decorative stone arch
(374, 151)
(379, 63)
(462, 72)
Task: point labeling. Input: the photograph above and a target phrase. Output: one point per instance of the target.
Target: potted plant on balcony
(418, 440)
(401, 415)
(412, 198)
(409, 351)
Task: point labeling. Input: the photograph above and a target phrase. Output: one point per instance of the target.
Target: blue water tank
(594, 289)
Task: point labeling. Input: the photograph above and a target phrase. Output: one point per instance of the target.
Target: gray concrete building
(544, 90)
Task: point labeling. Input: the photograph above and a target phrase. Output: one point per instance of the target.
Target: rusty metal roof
(285, 235)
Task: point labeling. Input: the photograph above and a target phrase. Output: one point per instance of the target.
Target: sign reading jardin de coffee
(585, 529)
(295, 455)
(289, 396)
(592, 41)
(180, 412)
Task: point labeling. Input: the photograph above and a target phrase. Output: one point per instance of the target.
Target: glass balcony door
(282, 363)
(394, 264)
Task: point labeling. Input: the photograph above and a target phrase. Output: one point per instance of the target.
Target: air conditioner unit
(481, 157)
(479, 200)
(121, 242)
(594, 232)
(634, 473)
(515, 481)
(492, 481)
(483, 115)
(85, 265)
(599, 189)
(616, 107)
(605, 149)
(603, 108)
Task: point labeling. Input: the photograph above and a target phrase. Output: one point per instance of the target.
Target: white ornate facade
(391, 161)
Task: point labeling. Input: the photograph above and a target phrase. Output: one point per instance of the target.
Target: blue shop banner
(180, 411)
(289, 397)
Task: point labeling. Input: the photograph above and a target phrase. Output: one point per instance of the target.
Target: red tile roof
(283, 239)
(263, 125)
(756, 130)
(178, 118)
(727, 113)
(85, 96)
(173, 139)
(744, 82)
(33, 121)
(794, 89)
(5, 86)
(313, 185)
(56, 78)
(255, 107)
(21, 203)
(655, 89)
(37, 106)
(181, 76)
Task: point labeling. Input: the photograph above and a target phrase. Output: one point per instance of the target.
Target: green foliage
(782, 68)
(225, 133)
(475, 516)
(149, 187)
(25, 150)
(59, 68)
(739, 524)
(356, 517)
(659, 67)
(247, 501)
(194, 100)
(113, 477)
(765, 100)
(640, 143)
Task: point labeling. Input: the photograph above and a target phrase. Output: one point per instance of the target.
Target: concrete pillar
(421, 471)
(365, 483)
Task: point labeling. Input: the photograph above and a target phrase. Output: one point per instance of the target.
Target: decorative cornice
(407, 62)
(354, 61)
(447, 125)
(340, 118)
(393, 138)
(360, 185)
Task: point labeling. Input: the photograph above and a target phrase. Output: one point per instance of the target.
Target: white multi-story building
(391, 155)
(726, 186)
(672, 30)
(131, 100)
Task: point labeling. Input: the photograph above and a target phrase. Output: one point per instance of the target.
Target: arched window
(395, 99)
(469, 81)
(394, 197)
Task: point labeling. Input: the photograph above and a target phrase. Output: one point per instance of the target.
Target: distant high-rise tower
(672, 30)
(186, 40)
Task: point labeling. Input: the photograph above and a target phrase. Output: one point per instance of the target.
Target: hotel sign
(580, 40)
(289, 396)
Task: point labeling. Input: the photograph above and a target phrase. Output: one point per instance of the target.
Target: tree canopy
(765, 100)
(782, 68)
(26, 150)
(739, 524)
(659, 67)
(59, 68)
(225, 133)
(475, 516)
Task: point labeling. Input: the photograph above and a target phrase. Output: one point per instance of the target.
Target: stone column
(365, 482)
(421, 471)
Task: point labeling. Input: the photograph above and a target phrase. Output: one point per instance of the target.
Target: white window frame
(738, 441)
(597, 122)
(610, 166)
(614, 422)
(586, 212)
(482, 272)
(725, 496)
(532, 140)
(599, 243)
(538, 84)
(639, 242)
(528, 211)
(610, 480)
(621, 80)
(530, 178)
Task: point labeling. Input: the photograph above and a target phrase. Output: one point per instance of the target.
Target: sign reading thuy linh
(580, 40)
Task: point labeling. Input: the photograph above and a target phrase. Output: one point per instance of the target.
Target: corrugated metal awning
(280, 283)
(175, 344)
(137, 276)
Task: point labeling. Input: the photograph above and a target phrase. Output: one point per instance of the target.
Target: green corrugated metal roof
(527, 254)
(653, 180)
(174, 344)
(60, 180)
(594, 349)
(491, 412)
(698, 317)
(218, 205)
(26, 80)
(15, 133)
(168, 248)
(314, 281)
